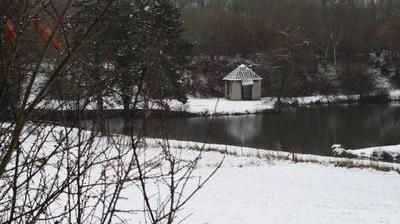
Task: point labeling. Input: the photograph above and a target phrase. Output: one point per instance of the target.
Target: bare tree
(57, 172)
(290, 62)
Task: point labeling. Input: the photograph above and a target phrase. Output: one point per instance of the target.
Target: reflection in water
(244, 128)
(305, 130)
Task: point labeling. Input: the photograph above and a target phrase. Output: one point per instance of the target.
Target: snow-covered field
(259, 192)
(248, 189)
(259, 186)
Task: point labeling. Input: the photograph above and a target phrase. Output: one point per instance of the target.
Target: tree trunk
(126, 102)
(100, 114)
(326, 52)
(334, 56)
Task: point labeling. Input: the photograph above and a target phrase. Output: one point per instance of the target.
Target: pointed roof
(242, 73)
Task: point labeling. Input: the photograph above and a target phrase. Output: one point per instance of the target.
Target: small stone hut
(242, 84)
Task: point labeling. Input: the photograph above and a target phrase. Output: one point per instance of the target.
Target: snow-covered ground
(201, 106)
(222, 106)
(259, 192)
(227, 107)
(394, 95)
(282, 155)
(252, 189)
(259, 186)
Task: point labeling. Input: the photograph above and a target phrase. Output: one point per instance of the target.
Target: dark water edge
(309, 129)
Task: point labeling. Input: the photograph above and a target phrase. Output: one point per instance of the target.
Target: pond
(303, 130)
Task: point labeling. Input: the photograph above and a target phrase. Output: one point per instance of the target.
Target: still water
(304, 130)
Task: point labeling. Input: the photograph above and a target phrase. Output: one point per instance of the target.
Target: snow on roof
(242, 73)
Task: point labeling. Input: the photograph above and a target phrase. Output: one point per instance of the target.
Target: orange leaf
(56, 45)
(35, 24)
(45, 33)
(8, 30)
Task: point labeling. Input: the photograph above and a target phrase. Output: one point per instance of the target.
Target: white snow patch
(338, 150)
(228, 107)
(222, 106)
(285, 193)
(374, 152)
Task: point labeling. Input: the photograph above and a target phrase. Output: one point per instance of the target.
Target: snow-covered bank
(221, 106)
(385, 153)
(394, 95)
(281, 155)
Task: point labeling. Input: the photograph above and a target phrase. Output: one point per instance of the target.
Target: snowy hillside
(248, 189)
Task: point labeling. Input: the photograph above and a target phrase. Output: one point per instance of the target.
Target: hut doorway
(247, 92)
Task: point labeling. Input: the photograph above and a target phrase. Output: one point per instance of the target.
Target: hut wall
(236, 93)
(226, 89)
(256, 94)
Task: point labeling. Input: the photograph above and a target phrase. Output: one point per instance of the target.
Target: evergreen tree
(150, 51)
(171, 49)
(144, 44)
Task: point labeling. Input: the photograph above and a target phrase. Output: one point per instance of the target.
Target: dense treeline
(223, 27)
(342, 38)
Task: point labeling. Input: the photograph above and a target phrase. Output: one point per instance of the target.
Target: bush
(382, 156)
(354, 78)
